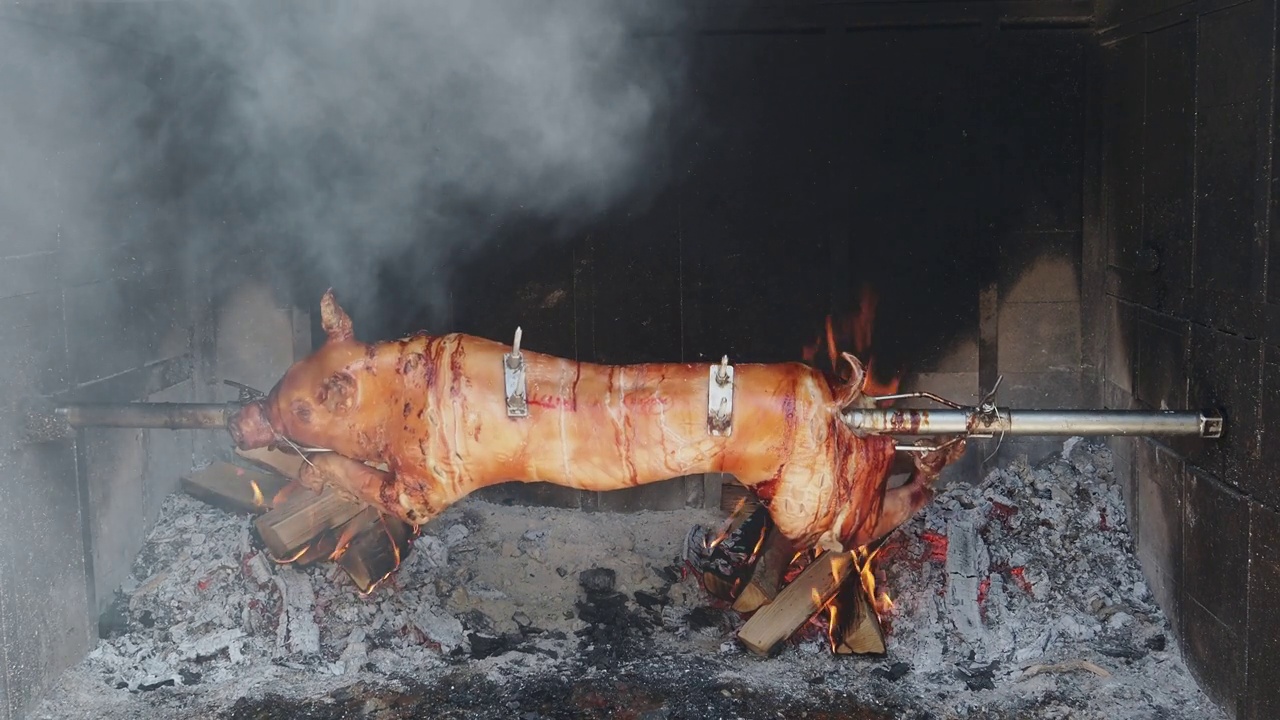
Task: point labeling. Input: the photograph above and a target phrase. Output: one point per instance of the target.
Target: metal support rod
(161, 416)
(991, 422)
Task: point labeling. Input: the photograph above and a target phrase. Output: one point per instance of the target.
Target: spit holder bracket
(720, 398)
(513, 380)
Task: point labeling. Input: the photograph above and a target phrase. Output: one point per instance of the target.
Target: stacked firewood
(751, 565)
(300, 526)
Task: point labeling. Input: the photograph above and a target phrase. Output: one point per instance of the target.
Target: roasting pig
(413, 425)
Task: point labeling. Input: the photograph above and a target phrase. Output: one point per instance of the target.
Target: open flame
(880, 602)
(854, 331)
(258, 500)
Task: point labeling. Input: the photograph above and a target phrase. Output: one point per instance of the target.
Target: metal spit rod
(996, 422)
(159, 416)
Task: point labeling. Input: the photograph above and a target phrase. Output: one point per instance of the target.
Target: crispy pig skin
(433, 409)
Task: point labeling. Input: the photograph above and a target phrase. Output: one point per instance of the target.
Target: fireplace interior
(1066, 201)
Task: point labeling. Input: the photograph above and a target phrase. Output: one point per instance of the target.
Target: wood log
(855, 627)
(320, 549)
(740, 537)
(231, 488)
(375, 552)
(799, 601)
(288, 464)
(288, 529)
(766, 577)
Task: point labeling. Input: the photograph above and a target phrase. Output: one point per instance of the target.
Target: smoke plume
(329, 140)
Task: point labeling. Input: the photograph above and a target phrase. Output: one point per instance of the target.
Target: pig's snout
(250, 428)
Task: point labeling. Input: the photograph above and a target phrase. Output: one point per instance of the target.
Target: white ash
(494, 591)
(1061, 591)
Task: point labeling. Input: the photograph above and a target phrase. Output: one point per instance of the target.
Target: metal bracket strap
(720, 398)
(513, 380)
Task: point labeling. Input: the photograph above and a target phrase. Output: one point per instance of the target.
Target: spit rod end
(1211, 423)
(44, 423)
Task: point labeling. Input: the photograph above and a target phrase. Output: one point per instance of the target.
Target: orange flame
(725, 528)
(349, 532)
(882, 603)
(395, 549)
(258, 500)
(296, 555)
(286, 492)
(856, 331)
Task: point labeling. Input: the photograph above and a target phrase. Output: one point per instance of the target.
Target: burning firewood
(725, 559)
(766, 577)
(375, 551)
(833, 581)
(289, 529)
(799, 601)
(287, 464)
(233, 488)
(855, 628)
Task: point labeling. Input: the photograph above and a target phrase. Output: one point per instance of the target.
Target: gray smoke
(332, 139)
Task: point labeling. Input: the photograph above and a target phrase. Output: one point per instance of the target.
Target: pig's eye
(301, 410)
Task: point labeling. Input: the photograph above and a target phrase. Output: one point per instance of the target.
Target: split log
(855, 627)
(288, 529)
(799, 601)
(727, 567)
(288, 464)
(226, 486)
(320, 549)
(375, 551)
(766, 576)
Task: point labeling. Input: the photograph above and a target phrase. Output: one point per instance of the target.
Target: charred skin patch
(411, 363)
(457, 359)
(338, 391)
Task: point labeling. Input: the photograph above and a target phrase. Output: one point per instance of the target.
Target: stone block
(1052, 276)
(1158, 528)
(1160, 373)
(45, 618)
(1039, 337)
(116, 463)
(1041, 390)
(1226, 372)
(1234, 55)
(169, 455)
(1216, 551)
(1262, 694)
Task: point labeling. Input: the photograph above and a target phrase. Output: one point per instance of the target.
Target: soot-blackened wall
(1184, 311)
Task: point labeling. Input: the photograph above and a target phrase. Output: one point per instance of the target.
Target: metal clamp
(720, 398)
(513, 380)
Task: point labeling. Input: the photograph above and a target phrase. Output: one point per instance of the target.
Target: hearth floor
(1033, 606)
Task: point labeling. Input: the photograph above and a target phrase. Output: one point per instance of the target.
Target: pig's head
(324, 400)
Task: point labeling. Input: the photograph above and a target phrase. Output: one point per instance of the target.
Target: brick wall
(1181, 312)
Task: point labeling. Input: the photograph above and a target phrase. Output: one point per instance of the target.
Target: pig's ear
(334, 320)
